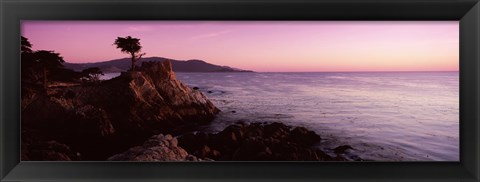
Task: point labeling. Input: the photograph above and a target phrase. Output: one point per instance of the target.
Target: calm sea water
(384, 116)
(108, 76)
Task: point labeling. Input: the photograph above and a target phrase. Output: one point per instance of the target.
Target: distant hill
(119, 65)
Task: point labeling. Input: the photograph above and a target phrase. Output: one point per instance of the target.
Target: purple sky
(262, 45)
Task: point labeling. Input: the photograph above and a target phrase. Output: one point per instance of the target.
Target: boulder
(304, 136)
(276, 130)
(252, 149)
(157, 148)
(256, 142)
(341, 149)
(231, 136)
(193, 142)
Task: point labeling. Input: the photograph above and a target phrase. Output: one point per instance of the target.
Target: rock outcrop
(257, 142)
(156, 148)
(35, 147)
(237, 142)
(103, 119)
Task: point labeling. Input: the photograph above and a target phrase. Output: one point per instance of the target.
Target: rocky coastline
(100, 120)
(257, 142)
(148, 115)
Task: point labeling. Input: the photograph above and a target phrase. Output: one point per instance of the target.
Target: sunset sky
(263, 46)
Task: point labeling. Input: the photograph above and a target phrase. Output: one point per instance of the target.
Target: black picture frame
(12, 12)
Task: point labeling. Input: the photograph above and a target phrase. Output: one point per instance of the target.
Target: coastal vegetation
(38, 64)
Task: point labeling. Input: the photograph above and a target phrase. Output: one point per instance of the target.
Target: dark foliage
(92, 74)
(49, 62)
(41, 66)
(26, 46)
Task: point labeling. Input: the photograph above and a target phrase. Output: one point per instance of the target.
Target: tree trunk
(133, 62)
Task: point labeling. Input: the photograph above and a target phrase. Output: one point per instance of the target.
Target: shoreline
(238, 142)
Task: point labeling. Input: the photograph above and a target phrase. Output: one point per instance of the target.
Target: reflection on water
(408, 116)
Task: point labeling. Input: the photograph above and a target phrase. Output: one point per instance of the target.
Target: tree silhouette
(27, 61)
(26, 53)
(26, 46)
(130, 46)
(49, 61)
(92, 74)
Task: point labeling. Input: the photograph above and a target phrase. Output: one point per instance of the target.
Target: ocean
(384, 116)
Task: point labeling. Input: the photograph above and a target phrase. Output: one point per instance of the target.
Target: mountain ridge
(123, 64)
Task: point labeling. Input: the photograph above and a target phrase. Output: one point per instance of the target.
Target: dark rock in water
(341, 149)
(193, 142)
(110, 117)
(206, 152)
(339, 158)
(157, 148)
(256, 142)
(233, 111)
(191, 158)
(195, 88)
(216, 92)
(254, 130)
(304, 137)
(253, 149)
(322, 156)
(276, 130)
(230, 136)
(203, 152)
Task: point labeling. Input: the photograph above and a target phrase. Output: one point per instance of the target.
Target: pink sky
(271, 46)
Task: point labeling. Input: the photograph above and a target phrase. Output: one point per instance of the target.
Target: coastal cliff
(148, 115)
(99, 120)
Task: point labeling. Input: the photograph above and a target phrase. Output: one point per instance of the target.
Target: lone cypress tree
(130, 46)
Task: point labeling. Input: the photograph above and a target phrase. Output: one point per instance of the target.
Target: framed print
(235, 91)
(313, 96)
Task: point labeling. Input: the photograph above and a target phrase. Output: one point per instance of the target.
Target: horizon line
(344, 71)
